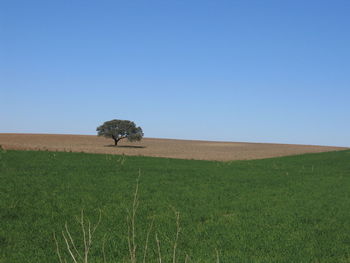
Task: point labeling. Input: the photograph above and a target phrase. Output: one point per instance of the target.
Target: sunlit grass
(274, 210)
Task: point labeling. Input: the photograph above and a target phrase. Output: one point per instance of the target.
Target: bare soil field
(169, 148)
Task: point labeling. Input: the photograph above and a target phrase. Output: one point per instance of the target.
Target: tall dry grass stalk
(177, 215)
(87, 233)
(131, 217)
(158, 246)
(146, 243)
(217, 256)
(103, 248)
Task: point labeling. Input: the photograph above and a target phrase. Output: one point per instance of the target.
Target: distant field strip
(182, 149)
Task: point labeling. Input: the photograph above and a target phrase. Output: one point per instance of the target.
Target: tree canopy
(120, 129)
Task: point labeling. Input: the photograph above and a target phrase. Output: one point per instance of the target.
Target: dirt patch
(183, 149)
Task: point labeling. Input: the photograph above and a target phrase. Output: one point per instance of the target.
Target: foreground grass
(290, 209)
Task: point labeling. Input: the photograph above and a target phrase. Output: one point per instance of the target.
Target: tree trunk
(117, 139)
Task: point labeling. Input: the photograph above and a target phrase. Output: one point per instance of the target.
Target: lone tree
(120, 129)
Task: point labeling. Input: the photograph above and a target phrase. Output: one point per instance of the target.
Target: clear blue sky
(255, 71)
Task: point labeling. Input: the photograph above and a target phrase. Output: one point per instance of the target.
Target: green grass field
(290, 209)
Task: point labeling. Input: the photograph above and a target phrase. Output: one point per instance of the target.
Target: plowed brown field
(183, 149)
